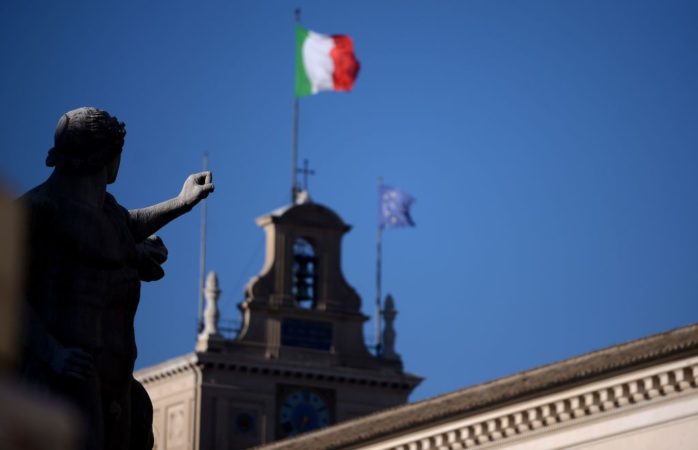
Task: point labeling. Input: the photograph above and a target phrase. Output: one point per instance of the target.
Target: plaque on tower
(312, 334)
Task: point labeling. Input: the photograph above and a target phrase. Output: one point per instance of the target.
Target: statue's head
(86, 140)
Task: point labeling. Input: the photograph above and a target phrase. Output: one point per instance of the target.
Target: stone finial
(389, 313)
(211, 313)
(303, 197)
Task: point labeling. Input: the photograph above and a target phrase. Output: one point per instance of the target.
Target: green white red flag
(324, 63)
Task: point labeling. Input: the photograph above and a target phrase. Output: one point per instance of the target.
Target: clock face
(303, 410)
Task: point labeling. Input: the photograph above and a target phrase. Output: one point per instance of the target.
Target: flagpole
(379, 261)
(294, 151)
(202, 255)
(294, 143)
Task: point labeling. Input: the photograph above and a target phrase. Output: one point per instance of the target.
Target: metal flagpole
(294, 151)
(379, 259)
(294, 143)
(202, 256)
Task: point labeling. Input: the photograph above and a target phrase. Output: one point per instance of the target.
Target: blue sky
(551, 147)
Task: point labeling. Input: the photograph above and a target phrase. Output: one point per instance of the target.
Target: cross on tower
(306, 171)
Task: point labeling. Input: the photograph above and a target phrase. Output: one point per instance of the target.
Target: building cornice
(277, 369)
(166, 369)
(552, 411)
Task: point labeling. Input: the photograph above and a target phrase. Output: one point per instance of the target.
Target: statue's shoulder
(42, 212)
(34, 194)
(38, 201)
(110, 203)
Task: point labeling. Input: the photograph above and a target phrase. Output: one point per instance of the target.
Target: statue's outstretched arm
(147, 221)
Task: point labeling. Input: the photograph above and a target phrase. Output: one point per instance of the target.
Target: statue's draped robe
(83, 287)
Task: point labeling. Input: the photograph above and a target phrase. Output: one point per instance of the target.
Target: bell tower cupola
(300, 304)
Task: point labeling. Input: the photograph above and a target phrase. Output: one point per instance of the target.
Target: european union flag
(394, 208)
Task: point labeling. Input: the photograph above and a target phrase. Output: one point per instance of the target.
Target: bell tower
(299, 361)
(300, 308)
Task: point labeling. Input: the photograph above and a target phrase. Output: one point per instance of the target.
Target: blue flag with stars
(394, 208)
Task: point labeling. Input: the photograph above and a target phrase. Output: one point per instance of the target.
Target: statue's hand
(196, 188)
(71, 363)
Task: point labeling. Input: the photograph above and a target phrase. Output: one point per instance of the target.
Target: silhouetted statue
(87, 257)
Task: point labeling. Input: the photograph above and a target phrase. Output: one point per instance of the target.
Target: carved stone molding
(604, 398)
(398, 382)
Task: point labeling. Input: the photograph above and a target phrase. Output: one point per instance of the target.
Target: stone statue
(389, 314)
(211, 314)
(87, 257)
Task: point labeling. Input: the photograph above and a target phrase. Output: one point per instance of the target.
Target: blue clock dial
(303, 411)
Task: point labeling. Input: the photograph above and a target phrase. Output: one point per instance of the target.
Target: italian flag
(324, 63)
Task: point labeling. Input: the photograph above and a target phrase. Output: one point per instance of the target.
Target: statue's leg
(129, 418)
(141, 418)
(85, 395)
(117, 413)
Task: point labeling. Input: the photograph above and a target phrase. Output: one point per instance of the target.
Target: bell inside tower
(304, 274)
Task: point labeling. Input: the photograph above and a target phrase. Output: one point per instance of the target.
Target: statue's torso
(83, 283)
